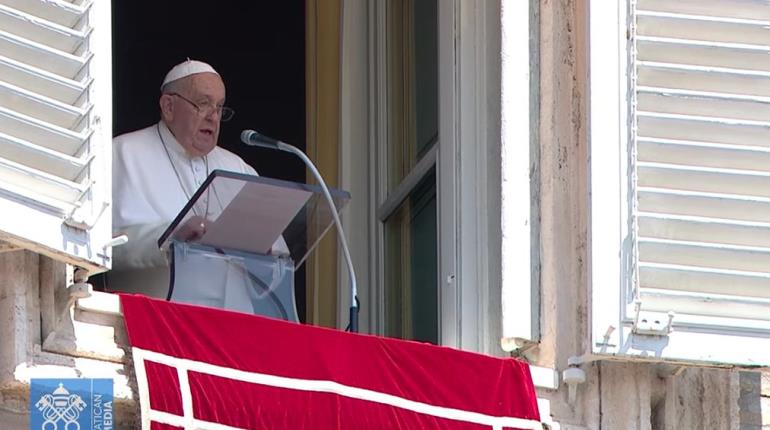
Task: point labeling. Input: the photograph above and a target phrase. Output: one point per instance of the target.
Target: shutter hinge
(652, 323)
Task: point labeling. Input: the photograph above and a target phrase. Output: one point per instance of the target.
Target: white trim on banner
(188, 421)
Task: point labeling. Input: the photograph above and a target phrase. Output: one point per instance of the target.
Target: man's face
(196, 129)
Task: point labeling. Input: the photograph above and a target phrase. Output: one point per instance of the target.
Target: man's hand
(193, 229)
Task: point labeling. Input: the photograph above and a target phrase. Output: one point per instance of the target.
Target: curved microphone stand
(253, 138)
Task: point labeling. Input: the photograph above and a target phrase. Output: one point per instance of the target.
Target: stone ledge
(101, 302)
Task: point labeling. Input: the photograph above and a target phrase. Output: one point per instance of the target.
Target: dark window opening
(257, 47)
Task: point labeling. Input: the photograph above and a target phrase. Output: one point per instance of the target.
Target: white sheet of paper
(255, 218)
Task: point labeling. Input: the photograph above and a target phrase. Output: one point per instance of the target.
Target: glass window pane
(411, 302)
(426, 74)
(412, 84)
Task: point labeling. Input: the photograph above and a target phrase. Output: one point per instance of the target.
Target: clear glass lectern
(238, 241)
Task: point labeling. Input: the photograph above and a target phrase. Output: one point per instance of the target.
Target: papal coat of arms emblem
(60, 407)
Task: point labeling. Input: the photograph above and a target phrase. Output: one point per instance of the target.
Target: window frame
(468, 177)
(468, 168)
(391, 198)
(519, 253)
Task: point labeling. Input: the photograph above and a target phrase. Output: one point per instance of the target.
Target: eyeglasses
(206, 109)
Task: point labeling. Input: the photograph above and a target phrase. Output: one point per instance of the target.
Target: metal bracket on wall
(652, 323)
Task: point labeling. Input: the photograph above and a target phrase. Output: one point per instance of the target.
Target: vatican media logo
(71, 404)
(60, 406)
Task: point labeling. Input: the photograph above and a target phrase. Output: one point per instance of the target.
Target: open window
(408, 210)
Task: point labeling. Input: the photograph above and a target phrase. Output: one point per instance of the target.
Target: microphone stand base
(354, 319)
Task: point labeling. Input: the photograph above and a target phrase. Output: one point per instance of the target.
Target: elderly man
(157, 170)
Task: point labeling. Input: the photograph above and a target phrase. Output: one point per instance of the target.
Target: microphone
(254, 138)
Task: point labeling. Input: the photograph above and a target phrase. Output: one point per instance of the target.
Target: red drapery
(210, 368)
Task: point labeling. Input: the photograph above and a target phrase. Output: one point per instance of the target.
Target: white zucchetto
(186, 68)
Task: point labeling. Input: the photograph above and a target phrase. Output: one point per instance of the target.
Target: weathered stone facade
(47, 332)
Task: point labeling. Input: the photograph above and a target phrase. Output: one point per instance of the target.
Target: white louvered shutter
(55, 128)
(696, 242)
(703, 163)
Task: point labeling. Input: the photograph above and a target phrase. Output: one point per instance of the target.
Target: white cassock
(151, 185)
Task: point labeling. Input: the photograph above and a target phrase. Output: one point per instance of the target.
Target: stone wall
(46, 333)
